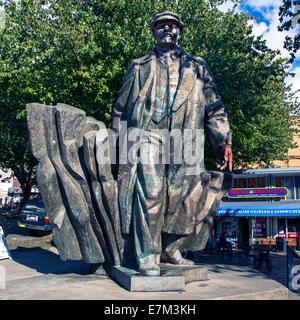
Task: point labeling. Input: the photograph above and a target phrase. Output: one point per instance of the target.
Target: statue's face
(166, 33)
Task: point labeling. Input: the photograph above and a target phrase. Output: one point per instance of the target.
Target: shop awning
(283, 208)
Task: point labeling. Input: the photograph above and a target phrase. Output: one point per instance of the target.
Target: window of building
(293, 225)
(250, 182)
(261, 182)
(292, 183)
(287, 182)
(259, 227)
(297, 187)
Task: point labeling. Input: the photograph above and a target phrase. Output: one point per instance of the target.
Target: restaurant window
(250, 182)
(287, 182)
(279, 182)
(242, 183)
(297, 187)
(261, 182)
(293, 225)
(235, 183)
(259, 227)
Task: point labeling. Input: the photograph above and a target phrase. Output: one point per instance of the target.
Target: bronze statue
(167, 89)
(159, 207)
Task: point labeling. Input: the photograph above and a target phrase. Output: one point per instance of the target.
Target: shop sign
(293, 235)
(281, 235)
(290, 235)
(259, 235)
(256, 212)
(257, 192)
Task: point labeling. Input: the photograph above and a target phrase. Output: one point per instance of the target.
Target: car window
(34, 205)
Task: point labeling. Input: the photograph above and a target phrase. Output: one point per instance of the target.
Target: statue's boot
(175, 257)
(148, 265)
(149, 269)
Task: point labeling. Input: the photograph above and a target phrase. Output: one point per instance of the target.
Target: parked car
(33, 216)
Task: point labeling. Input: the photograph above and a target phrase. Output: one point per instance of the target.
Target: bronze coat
(196, 105)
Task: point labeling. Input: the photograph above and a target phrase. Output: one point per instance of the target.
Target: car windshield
(34, 205)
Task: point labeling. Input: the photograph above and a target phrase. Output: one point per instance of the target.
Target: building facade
(263, 203)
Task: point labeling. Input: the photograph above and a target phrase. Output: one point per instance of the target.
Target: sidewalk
(39, 274)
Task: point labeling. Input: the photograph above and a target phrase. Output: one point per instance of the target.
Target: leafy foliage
(15, 151)
(77, 52)
(289, 17)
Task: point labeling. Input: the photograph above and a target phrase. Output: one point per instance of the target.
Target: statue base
(172, 278)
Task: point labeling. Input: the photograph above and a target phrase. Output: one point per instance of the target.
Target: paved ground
(36, 272)
(39, 274)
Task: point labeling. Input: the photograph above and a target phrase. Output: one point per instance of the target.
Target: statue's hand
(226, 157)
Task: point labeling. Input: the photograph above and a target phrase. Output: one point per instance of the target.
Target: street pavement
(39, 274)
(36, 272)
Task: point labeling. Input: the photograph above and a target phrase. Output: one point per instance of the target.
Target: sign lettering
(257, 192)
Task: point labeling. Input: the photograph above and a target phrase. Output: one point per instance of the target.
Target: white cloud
(260, 4)
(274, 38)
(258, 28)
(228, 5)
(268, 29)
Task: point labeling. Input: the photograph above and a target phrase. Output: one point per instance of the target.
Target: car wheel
(32, 232)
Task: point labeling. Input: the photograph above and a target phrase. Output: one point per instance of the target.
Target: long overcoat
(196, 107)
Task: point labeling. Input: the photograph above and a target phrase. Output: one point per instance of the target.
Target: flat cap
(166, 15)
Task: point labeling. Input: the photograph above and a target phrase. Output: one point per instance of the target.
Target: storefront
(254, 220)
(262, 204)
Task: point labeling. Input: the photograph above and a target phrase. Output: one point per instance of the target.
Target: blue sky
(267, 13)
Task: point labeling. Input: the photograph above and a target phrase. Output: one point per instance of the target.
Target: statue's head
(166, 28)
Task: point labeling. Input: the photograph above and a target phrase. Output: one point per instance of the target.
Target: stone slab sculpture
(163, 200)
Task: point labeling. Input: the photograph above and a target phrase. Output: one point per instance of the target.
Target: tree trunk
(26, 179)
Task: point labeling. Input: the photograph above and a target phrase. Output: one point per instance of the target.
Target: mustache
(167, 34)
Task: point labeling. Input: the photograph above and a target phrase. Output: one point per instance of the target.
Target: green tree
(14, 146)
(77, 52)
(289, 17)
(15, 151)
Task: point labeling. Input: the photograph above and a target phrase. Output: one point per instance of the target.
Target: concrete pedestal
(172, 278)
